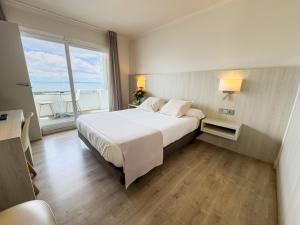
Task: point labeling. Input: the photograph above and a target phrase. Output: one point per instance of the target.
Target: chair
(34, 212)
(68, 100)
(26, 146)
(45, 103)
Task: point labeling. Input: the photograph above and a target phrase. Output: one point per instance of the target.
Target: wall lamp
(230, 86)
(141, 82)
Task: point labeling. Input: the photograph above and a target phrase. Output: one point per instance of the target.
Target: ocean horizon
(63, 86)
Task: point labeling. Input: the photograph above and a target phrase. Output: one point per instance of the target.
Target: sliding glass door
(66, 81)
(90, 81)
(48, 72)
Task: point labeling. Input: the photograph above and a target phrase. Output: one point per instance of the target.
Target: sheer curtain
(115, 97)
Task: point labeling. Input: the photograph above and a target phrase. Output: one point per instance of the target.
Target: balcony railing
(54, 104)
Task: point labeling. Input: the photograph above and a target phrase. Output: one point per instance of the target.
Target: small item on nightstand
(139, 96)
(3, 116)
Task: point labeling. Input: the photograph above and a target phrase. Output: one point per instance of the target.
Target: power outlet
(227, 111)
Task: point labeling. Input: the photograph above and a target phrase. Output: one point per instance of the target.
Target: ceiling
(128, 17)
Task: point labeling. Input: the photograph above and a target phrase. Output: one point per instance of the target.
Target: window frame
(67, 44)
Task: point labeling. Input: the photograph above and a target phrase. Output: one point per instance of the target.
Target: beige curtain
(2, 16)
(115, 97)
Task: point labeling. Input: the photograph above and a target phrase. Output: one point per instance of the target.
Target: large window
(62, 90)
(89, 77)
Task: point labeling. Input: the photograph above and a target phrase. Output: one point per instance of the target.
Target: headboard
(263, 106)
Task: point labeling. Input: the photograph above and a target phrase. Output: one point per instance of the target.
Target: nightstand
(222, 128)
(131, 106)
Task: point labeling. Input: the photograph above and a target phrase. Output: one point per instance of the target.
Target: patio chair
(44, 103)
(68, 100)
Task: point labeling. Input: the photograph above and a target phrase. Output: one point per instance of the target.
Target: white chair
(34, 212)
(68, 100)
(25, 137)
(45, 103)
(26, 146)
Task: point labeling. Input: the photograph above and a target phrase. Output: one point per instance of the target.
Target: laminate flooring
(200, 184)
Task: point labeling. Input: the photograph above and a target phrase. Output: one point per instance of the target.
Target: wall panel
(263, 106)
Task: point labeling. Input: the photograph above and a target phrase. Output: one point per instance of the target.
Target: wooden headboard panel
(263, 105)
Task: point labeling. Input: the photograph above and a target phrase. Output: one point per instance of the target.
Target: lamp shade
(141, 82)
(230, 85)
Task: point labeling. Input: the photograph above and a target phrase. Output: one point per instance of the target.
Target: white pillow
(192, 112)
(176, 108)
(161, 104)
(152, 104)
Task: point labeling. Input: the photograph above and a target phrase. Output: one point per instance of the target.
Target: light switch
(227, 111)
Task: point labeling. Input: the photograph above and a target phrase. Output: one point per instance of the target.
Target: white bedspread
(172, 129)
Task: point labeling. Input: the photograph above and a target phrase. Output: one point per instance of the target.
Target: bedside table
(131, 106)
(222, 128)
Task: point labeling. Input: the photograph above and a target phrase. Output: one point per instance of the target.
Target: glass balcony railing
(54, 107)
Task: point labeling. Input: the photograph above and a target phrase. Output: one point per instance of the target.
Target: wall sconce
(230, 86)
(141, 83)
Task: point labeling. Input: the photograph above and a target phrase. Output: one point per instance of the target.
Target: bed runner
(141, 146)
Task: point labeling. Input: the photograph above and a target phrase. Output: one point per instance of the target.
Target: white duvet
(172, 129)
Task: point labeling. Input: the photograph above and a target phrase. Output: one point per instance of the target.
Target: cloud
(85, 53)
(46, 61)
(43, 65)
(33, 44)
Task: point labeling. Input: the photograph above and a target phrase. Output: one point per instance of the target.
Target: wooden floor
(201, 185)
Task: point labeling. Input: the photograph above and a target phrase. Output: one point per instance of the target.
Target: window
(89, 69)
(52, 84)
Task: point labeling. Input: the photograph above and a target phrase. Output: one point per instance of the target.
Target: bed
(105, 132)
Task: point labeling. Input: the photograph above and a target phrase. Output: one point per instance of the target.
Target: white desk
(15, 182)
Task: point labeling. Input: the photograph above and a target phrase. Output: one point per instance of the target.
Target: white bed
(172, 129)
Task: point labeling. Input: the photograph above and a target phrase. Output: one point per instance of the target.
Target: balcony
(55, 109)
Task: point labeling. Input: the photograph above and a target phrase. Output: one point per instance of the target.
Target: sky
(47, 66)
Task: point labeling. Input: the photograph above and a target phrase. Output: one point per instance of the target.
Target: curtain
(2, 16)
(115, 97)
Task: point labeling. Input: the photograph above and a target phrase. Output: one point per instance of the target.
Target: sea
(54, 86)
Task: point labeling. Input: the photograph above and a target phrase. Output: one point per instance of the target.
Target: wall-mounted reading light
(230, 86)
(141, 82)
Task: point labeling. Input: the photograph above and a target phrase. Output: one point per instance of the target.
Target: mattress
(172, 129)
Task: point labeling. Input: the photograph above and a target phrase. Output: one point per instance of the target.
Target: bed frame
(118, 171)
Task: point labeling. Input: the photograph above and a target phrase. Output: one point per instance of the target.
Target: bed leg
(122, 179)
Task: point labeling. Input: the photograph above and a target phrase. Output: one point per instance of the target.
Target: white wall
(36, 20)
(239, 34)
(13, 70)
(33, 20)
(288, 171)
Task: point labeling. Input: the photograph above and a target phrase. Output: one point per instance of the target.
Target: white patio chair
(68, 100)
(45, 103)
